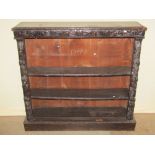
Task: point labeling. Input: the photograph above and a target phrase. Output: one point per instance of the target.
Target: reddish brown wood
(80, 82)
(36, 103)
(79, 52)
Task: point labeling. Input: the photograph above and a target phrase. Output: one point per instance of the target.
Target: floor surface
(13, 125)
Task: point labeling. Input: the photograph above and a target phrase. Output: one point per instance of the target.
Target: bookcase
(79, 75)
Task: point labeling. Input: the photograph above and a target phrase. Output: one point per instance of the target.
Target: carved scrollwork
(78, 33)
(134, 78)
(24, 78)
(131, 105)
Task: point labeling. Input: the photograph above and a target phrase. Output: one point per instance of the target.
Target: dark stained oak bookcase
(79, 75)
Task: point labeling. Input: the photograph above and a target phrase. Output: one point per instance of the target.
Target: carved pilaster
(134, 77)
(24, 78)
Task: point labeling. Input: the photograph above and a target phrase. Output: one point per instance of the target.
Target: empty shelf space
(78, 112)
(79, 71)
(80, 94)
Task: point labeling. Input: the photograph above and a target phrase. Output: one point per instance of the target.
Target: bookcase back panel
(80, 82)
(79, 52)
(38, 103)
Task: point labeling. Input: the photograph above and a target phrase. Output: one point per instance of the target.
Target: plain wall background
(11, 95)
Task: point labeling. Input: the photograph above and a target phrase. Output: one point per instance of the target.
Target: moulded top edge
(70, 25)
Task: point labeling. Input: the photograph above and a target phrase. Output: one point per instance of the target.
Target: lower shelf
(79, 125)
(80, 112)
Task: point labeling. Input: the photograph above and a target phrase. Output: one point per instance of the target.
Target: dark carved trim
(24, 78)
(79, 33)
(134, 77)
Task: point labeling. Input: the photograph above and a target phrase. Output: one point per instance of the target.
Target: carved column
(24, 77)
(134, 77)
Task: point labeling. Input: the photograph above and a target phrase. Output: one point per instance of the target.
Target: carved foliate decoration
(134, 78)
(24, 78)
(78, 33)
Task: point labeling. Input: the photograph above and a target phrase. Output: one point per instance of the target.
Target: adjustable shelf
(80, 94)
(79, 71)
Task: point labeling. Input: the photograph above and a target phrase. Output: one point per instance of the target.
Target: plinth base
(79, 125)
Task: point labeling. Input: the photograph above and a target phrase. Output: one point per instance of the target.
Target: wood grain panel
(36, 103)
(80, 82)
(79, 52)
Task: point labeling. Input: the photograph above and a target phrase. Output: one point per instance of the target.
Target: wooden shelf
(79, 71)
(82, 111)
(80, 94)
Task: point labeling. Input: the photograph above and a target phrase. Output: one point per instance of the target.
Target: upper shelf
(79, 71)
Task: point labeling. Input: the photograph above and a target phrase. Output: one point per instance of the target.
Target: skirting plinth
(78, 125)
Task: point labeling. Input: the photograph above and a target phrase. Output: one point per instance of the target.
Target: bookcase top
(103, 25)
(32, 30)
